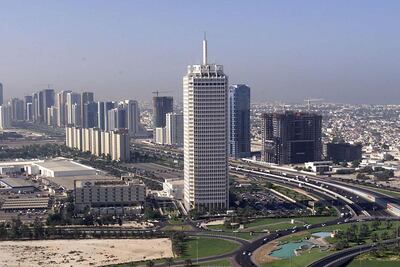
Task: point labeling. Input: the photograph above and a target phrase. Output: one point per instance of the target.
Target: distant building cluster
(70, 108)
(114, 144)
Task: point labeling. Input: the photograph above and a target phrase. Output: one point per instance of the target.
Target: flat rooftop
(67, 182)
(62, 164)
(16, 182)
(26, 203)
(18, 163)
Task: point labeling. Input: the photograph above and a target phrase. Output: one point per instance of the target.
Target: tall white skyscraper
(205, 91)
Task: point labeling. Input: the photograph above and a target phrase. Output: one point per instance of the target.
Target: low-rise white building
(173, 188)
(319, 166)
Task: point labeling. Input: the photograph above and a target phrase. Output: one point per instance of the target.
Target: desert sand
(84, 252)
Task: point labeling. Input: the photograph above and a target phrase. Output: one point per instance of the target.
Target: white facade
(174, 129)
(120, 145)
(77, 138)
(173, 188)
(160, 135)
(105, 143)
(97, 142)
(205, 91)
(86, 141)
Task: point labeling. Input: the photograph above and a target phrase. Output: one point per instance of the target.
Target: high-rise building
(161, 106)
(291, 137)
(90, 113)
(343, 152)
(107, 106)
(86, 97)
(205, 97)
(120, 145)
(86, 142)
(76, 114)
(1, 94)
(100, 115)
(61, 105)
(46, 100)
(174, 129)
(17, 109)
(105, 137)
(5, 117)
(132, 114)
(160, 136)
(73, 99)
(95, 141)
(28, 113)
(52, 116)
(239, 121)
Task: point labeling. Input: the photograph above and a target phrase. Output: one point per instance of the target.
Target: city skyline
(344, 53)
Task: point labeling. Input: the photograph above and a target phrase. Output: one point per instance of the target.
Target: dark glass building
(161, 106)
(86, 97)
(343, 152)
(291, 137)
(239, 120)
(90, 113)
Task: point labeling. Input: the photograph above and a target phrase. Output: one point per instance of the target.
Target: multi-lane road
(349, 199)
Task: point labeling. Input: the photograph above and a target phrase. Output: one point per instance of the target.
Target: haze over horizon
(341, 51)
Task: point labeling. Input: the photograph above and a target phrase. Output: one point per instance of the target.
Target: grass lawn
(203, 247)
(342, 227)
(273, 224)
(387, 192)
(177, 228)
(299, 261)
(215, 263)
(243, 235)
(374, 263)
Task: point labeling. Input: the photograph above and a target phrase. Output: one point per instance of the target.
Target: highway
(347, 198)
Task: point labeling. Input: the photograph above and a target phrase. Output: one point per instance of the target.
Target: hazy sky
(342, 51)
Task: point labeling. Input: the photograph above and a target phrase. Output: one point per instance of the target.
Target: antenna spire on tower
(205, 49)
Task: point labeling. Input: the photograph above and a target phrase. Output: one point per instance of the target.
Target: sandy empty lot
(85, 252)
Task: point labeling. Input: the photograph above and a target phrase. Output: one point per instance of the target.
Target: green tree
(374, 237)
(389, 224)
(364, 231)
(341, 244)
(375, 225)
(169, 261)
(16, 225)
(3, 231)
(150, 263)
(384, 235)
(38, 230)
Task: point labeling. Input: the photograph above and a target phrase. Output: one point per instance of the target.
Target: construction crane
(157, 92)
(310, 100)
